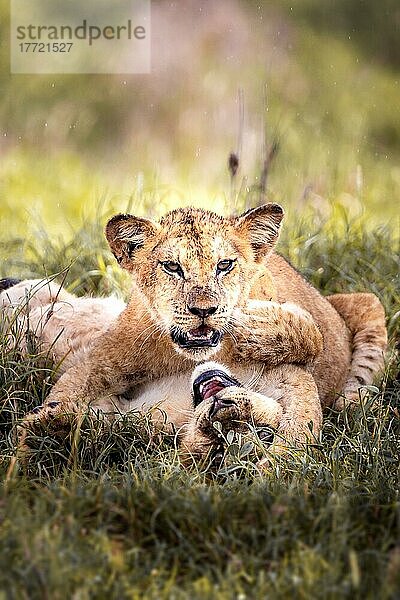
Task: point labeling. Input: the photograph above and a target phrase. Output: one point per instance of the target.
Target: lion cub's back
(332, 366)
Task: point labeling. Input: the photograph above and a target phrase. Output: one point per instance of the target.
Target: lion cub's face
(194, 267)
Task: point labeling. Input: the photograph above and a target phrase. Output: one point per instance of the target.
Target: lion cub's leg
(28, 305)
(273, 333)
(64, 326)
(365, 317)
(286, 402)
(29, 294)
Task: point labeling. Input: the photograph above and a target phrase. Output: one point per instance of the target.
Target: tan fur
(365, 317)
(281, 337)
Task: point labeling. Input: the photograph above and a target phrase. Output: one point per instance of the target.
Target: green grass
(112, 512)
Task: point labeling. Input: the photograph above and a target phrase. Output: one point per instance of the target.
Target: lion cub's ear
(126, 234)
(261, 227)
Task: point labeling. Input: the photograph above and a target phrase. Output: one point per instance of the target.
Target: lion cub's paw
(222, 404)
(215, 393)
(53, 418)
(350, 399)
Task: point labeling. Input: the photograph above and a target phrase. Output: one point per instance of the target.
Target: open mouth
(210, 383)
(200, 337)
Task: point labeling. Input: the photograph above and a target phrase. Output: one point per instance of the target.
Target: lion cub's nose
(203, 313)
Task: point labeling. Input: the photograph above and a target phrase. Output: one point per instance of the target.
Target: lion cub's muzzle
(199, 337)
(208, 384)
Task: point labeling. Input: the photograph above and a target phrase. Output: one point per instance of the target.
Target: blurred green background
(319, 77)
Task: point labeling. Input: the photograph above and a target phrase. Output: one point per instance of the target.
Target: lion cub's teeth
(207, 334)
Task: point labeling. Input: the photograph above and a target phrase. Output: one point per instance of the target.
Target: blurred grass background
(322, 78)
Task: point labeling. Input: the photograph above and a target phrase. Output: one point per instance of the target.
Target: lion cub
(207, 286)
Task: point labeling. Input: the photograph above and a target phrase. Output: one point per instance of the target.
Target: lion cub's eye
(226, 265)
(172, 268)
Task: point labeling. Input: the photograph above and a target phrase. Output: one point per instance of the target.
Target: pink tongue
(211, 388)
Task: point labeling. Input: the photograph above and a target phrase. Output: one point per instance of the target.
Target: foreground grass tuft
(111, 512)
